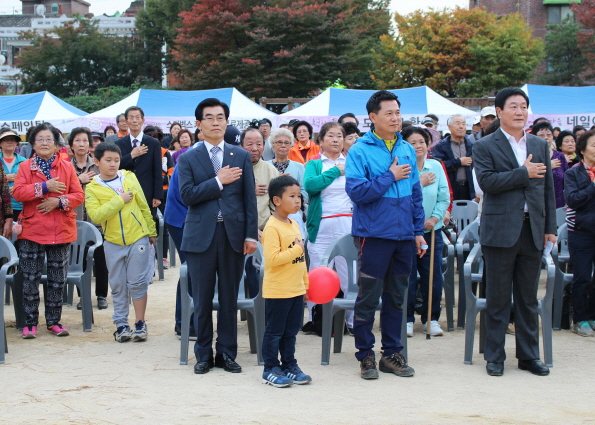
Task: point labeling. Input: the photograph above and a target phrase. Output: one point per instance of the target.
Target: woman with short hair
(282, 141)
(566, 143)
(544, 130)
(436, 199)
(11, 161)
(49, 189)
(305, 149)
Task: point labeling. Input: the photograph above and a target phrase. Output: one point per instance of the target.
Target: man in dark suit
(216, 182)
(141, 154)
(455, 151)
(518, 220)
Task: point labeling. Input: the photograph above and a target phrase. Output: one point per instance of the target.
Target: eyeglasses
(211, 120)
(282, 143)
(47, 141)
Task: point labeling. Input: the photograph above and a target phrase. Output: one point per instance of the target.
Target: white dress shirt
(219, 155)
(139, 138)
(519, 148)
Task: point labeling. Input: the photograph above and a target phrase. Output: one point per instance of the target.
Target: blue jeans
(423, 266)
(283, 322)
(582, 255)
(176, 233)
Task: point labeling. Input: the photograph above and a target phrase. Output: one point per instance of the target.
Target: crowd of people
(221, 191)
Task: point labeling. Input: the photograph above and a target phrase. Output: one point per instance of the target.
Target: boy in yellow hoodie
(284, 285)
(114, 199)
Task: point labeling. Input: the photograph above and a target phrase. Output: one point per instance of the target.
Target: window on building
(556, 14)
(54, 7)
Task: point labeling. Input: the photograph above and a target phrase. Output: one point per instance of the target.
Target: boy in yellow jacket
(115, 199)
(284, 285)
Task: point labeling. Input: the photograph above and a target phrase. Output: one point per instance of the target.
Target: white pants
(330, 230)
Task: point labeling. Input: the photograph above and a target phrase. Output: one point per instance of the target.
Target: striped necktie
(216, 167)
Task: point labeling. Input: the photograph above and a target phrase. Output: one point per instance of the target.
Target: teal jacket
(315, 181)
(15, 167)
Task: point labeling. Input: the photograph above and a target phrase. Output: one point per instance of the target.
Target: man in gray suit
(216, 182)
(518, 220)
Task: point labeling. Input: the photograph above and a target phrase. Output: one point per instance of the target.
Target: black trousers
(512, 271)
(220, 264)
(461, 193)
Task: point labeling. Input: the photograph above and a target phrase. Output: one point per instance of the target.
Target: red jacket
(58, 226)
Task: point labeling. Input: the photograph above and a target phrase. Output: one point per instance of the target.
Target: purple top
(176, 154)
(558, 174)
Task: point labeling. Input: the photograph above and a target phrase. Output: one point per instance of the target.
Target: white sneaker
(435, 329)
(409, 329)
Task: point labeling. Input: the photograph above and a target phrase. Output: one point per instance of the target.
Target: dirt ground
(88, 378)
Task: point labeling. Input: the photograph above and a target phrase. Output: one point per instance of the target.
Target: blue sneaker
(123, 333)
(140, 331)
(276, 378)
(297, 376)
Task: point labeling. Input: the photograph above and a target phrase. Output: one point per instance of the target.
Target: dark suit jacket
(443, 152)
(147, 167)
(200, 192)
(507, 187)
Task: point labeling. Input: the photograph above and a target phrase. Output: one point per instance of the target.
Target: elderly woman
(436, 199)
(305, 149)
(80, 142)
(566, 143)
(282, 141)
(544, 130)
(110, 130)
(184, 138)
(579, 191)
(49, 189)
(11, 162)
(330, 209)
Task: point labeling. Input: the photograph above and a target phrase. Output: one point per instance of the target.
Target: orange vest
(295, 153)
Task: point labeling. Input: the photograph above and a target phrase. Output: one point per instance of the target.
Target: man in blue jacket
(388, 222)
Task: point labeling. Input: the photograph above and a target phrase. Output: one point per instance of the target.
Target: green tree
(78, 59)
(457, 52)
(564, 56)
(157, 24)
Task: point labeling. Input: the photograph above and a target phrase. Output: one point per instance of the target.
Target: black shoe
(308, 329)
(79, 306)
(536, 367)
(200, 368)
(227, 363)
(495, 369)
(101, 303)
(178, 331)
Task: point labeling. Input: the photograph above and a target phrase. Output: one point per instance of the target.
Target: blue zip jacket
(382, 207)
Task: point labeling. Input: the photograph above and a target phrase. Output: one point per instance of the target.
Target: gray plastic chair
(8, 253)
(333, 312)
(464, 212)
(448, 269)
(159, 248)
(475, 305)
(560, 216)
(80, 269)
(465, 242)
(254, 306)
(172, 252)
(561, 258)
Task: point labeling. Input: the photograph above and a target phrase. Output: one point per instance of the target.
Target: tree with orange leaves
(457, 52)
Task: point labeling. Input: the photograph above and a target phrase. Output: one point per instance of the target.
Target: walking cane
(429, 318)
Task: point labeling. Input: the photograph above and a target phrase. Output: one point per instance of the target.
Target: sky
(99, 7)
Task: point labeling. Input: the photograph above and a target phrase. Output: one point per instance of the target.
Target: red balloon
(324, 285)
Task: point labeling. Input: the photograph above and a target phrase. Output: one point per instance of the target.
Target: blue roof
(553, 100)
(26, 106)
